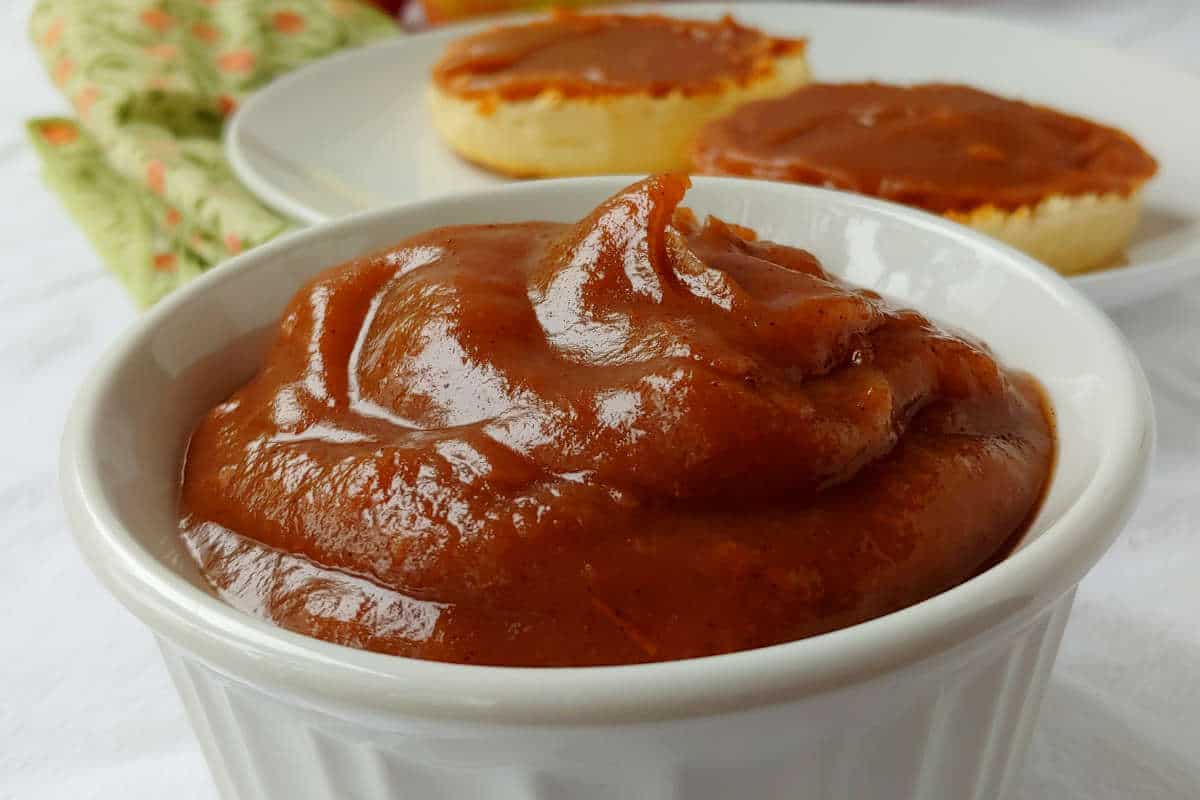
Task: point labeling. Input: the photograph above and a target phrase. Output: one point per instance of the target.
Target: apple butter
(638, 437)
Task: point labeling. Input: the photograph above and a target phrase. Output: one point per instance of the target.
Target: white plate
(352, 132)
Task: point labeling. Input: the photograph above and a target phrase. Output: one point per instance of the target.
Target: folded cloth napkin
(152, 81)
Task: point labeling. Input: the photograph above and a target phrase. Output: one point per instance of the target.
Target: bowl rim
(327, 675)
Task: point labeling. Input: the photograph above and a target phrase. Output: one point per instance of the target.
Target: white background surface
(85, 706)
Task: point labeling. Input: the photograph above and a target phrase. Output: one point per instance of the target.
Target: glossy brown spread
(939, 147)
(633, 438)
(581, 55)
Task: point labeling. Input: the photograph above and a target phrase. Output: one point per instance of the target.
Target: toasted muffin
(578, 94)
(1072, 234)
(1062, 188)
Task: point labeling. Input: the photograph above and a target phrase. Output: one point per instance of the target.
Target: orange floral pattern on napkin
(151, 82)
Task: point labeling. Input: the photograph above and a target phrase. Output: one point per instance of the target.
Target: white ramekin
(936, 701)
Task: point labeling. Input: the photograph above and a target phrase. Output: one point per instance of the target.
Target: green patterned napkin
(151, 81)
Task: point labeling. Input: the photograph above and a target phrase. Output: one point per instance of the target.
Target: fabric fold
(141, 168)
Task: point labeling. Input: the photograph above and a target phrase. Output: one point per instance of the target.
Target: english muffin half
(1060, 187)
(584, 94)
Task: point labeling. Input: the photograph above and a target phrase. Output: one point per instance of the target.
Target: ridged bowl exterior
(934, 732)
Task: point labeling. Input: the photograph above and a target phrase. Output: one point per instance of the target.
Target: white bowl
(935, 701)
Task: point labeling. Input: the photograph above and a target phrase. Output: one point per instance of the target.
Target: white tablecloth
(85, 706)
